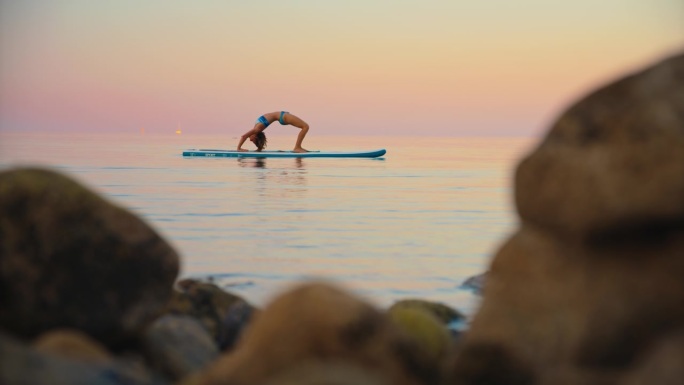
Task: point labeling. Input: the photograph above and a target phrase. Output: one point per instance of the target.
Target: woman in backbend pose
(256, 135)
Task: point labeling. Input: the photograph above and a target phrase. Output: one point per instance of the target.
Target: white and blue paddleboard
(283, 154)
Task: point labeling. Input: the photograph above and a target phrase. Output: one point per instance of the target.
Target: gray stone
(223, 314)
(475, 283)
(20, 364)
(178, 346)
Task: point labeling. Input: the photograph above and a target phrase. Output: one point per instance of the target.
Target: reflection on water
(261, 162)
(414, 224)
(288, 174)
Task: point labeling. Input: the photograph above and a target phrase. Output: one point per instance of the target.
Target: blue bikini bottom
(282, 113)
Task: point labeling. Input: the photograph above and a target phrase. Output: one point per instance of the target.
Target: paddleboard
(283, 154)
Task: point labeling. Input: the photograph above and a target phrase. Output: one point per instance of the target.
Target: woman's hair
(260, 141)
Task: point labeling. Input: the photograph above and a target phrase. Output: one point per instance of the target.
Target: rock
(612, 165)
(223, 314)
(70, 259)
(443, 312)
(591, 281)
(320, 323)
(178, 346)
(662, 365)
(426, 329)
(490, 364)
(329, 373)
(475, 283)
(72, 344)
(22, 364)
(235, 322)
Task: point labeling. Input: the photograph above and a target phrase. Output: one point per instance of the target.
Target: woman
(256, 135)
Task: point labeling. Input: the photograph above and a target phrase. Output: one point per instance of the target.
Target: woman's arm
(243, 138)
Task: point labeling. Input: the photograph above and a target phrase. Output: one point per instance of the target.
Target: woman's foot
(299, 149)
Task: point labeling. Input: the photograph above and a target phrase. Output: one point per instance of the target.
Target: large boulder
(613, 165)
(320, 325)
(71, 259)
(592, 280)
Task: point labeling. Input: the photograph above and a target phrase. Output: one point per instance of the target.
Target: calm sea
(415, 223)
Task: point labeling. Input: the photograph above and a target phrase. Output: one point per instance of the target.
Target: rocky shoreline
(203, 322)
(589, 289)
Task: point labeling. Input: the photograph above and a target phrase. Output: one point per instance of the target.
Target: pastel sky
(358, 67)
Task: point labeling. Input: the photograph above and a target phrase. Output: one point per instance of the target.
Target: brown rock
(662, 365)
(321, 323)
(329, 373)
(71, 259)
(613, 164)
(591, 281)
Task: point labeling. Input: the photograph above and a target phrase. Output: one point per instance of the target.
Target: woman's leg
(302, 125)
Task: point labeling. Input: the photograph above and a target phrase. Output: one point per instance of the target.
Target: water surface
(415, 223)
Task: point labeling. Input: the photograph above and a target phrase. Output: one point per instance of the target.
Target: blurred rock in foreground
(178, 346)
(319, 325)
(590, 290)
(49, 363)
(442, 312)
(71, 259)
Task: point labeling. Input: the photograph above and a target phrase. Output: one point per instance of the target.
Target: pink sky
(354, 67)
